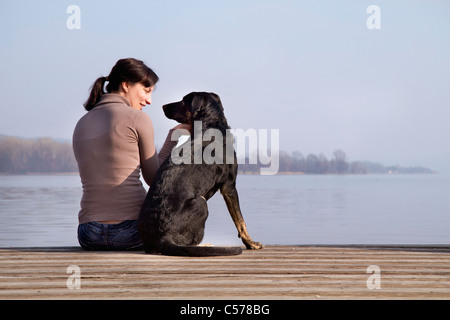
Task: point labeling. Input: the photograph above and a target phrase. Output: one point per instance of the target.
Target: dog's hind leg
(232, 200)
(190, 224)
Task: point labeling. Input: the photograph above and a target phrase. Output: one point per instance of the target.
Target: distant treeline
(45, 155)
(41, 155)
(338, 164)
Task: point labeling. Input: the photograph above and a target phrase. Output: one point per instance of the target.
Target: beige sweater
(112, 143)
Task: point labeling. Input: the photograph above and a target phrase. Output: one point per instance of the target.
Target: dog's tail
(171, 249)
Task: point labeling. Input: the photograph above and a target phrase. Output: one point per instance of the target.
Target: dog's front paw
(253, 245)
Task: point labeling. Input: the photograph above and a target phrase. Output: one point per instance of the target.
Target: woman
(112, 143)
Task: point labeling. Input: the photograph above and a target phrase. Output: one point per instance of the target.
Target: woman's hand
(185, 126)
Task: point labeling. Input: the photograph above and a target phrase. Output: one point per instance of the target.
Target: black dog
(172, 218)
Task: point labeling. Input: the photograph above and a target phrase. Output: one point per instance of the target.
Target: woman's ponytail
(96, 93)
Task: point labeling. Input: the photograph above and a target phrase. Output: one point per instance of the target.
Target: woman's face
(138, 95)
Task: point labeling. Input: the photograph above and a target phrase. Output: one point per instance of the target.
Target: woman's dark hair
(129, 70)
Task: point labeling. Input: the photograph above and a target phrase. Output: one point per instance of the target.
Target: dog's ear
(205, 103)
(217, 99)
(198, 103)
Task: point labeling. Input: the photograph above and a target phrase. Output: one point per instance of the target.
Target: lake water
(294, 209)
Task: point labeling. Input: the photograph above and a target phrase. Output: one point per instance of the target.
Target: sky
(312, 69)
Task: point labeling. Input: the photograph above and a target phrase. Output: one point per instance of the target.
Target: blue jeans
(102, 236)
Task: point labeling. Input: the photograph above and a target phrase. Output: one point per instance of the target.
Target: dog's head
(195, 106)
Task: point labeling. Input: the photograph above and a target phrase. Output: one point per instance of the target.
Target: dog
(173, 215)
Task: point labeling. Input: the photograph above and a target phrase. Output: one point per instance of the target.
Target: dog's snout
(168, 111)
(177, 111)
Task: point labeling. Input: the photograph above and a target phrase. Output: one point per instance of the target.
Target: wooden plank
(277, 272)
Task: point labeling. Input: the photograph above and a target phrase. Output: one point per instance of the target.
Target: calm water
(366, 209)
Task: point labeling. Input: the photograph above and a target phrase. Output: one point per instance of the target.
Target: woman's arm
(147, 151)
(166, 150)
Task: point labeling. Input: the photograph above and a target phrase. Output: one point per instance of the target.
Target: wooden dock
(277, 272)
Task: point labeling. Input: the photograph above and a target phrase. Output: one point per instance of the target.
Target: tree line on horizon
(296, 162)
(42, 155)
(46, 155)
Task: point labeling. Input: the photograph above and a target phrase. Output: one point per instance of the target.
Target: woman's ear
(124, 86)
